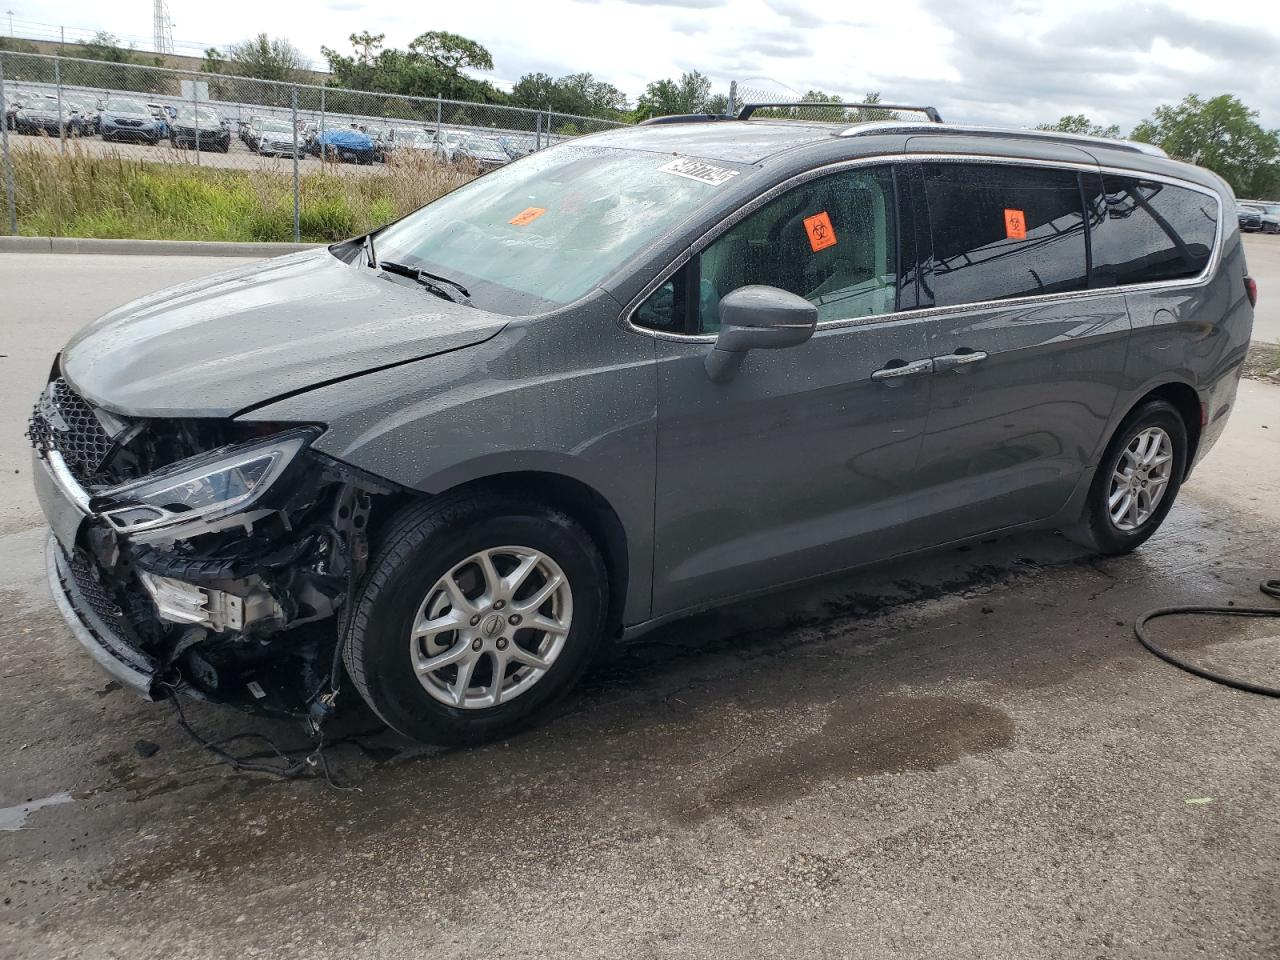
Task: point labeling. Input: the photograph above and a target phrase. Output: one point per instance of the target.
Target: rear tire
(518, 657)
(1127, 501)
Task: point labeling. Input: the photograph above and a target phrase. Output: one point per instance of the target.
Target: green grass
(85, 195)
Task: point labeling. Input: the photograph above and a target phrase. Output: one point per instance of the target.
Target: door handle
(904, 369)
(962, 358)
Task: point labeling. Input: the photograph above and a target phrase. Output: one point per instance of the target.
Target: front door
(804, 462)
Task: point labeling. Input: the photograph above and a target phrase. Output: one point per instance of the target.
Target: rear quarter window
(1153, 231)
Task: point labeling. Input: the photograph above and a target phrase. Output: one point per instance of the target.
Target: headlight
(228, 480)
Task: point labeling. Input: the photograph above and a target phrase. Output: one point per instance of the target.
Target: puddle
(890, 734)
(13, 818)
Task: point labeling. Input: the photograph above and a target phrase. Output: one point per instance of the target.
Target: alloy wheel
(491, 627)
(1140, 479)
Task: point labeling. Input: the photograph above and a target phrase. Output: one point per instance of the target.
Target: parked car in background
(277, 138)
(624, 381)
(415, 138)
(1268, 215)
(13, 103)
(346, 144)
(384, 141)
(251, 133)
(480, 150)
(89, 111)
(164, 113)
(1249, 217)
(518, 145)
(202, 126)
(40, 114)
(126, 119)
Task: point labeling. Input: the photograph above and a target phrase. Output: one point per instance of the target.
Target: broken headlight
(208, 486)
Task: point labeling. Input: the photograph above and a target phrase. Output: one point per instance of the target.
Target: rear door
(1028, 360)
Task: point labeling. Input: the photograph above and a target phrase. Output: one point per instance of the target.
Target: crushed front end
(200, 555)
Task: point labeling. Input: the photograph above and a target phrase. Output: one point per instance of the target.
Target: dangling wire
(292, 763)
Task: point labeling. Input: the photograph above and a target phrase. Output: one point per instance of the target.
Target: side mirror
(758, 318)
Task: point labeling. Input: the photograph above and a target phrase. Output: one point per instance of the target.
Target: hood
(222, 344)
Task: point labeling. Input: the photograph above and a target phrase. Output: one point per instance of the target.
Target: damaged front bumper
(237, 607)
(130, 666)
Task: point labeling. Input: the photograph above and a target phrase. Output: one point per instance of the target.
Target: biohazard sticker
(1015, 224)
(527, 215)
(821, 233)
(699, 170)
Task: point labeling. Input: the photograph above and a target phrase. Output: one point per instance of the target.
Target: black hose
(1269, 587)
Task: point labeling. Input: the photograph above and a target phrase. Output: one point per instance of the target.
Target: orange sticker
(1015, 224)
(527, 215)
(821, 233)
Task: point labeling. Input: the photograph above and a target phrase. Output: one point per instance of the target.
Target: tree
(431, 66)
(690, 94)
(1221, 134)
(105, 48)
(578, 93)
(1079, 123)
(259, 57)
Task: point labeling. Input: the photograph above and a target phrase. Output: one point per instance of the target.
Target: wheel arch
(1186, 400)
(585, 504)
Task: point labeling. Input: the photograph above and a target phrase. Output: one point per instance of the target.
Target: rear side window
(1002, 231)
(1154, 231)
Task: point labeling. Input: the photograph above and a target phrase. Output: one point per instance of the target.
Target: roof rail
(683, 118)
(930, 112)
(1079, 139)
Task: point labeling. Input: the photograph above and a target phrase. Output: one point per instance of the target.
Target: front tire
(1137, 481)
(478, 612)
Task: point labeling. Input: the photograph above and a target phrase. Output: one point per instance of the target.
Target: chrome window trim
(714, 232)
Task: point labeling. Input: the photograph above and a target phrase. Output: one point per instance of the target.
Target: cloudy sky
(993, 61)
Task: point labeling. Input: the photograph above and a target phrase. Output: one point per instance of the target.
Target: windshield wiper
(440, 286)
(369, 257)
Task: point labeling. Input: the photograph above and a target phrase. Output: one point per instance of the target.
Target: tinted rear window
(1153, 231)
(1004, 231)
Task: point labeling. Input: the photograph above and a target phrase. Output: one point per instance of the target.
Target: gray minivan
(626, 378)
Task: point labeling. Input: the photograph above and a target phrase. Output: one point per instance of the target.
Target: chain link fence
(113, 150)
(795, 106)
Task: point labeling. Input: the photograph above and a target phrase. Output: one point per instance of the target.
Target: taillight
(1251, 290)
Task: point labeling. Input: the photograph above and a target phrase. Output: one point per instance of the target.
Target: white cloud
(987, 61)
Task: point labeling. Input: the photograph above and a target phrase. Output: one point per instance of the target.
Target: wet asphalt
(963, 755)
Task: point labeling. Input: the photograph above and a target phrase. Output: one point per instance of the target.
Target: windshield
(126, 106)
(206, 116)
(276, 126)
(551, 226)
(482, 143)
(43, 103)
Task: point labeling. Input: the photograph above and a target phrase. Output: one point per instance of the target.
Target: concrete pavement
(965, 755)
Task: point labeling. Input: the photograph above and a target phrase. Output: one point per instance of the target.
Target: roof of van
(734, 141)
(756, 140)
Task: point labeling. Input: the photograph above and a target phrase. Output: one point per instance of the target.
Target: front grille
(63, 421)
(91, 588)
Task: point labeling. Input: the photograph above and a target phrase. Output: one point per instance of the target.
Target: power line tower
(163, 28)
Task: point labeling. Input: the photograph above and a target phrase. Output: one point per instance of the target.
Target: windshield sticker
(526, 216)
(821, 233)
(1015, 224)
(699, 170)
